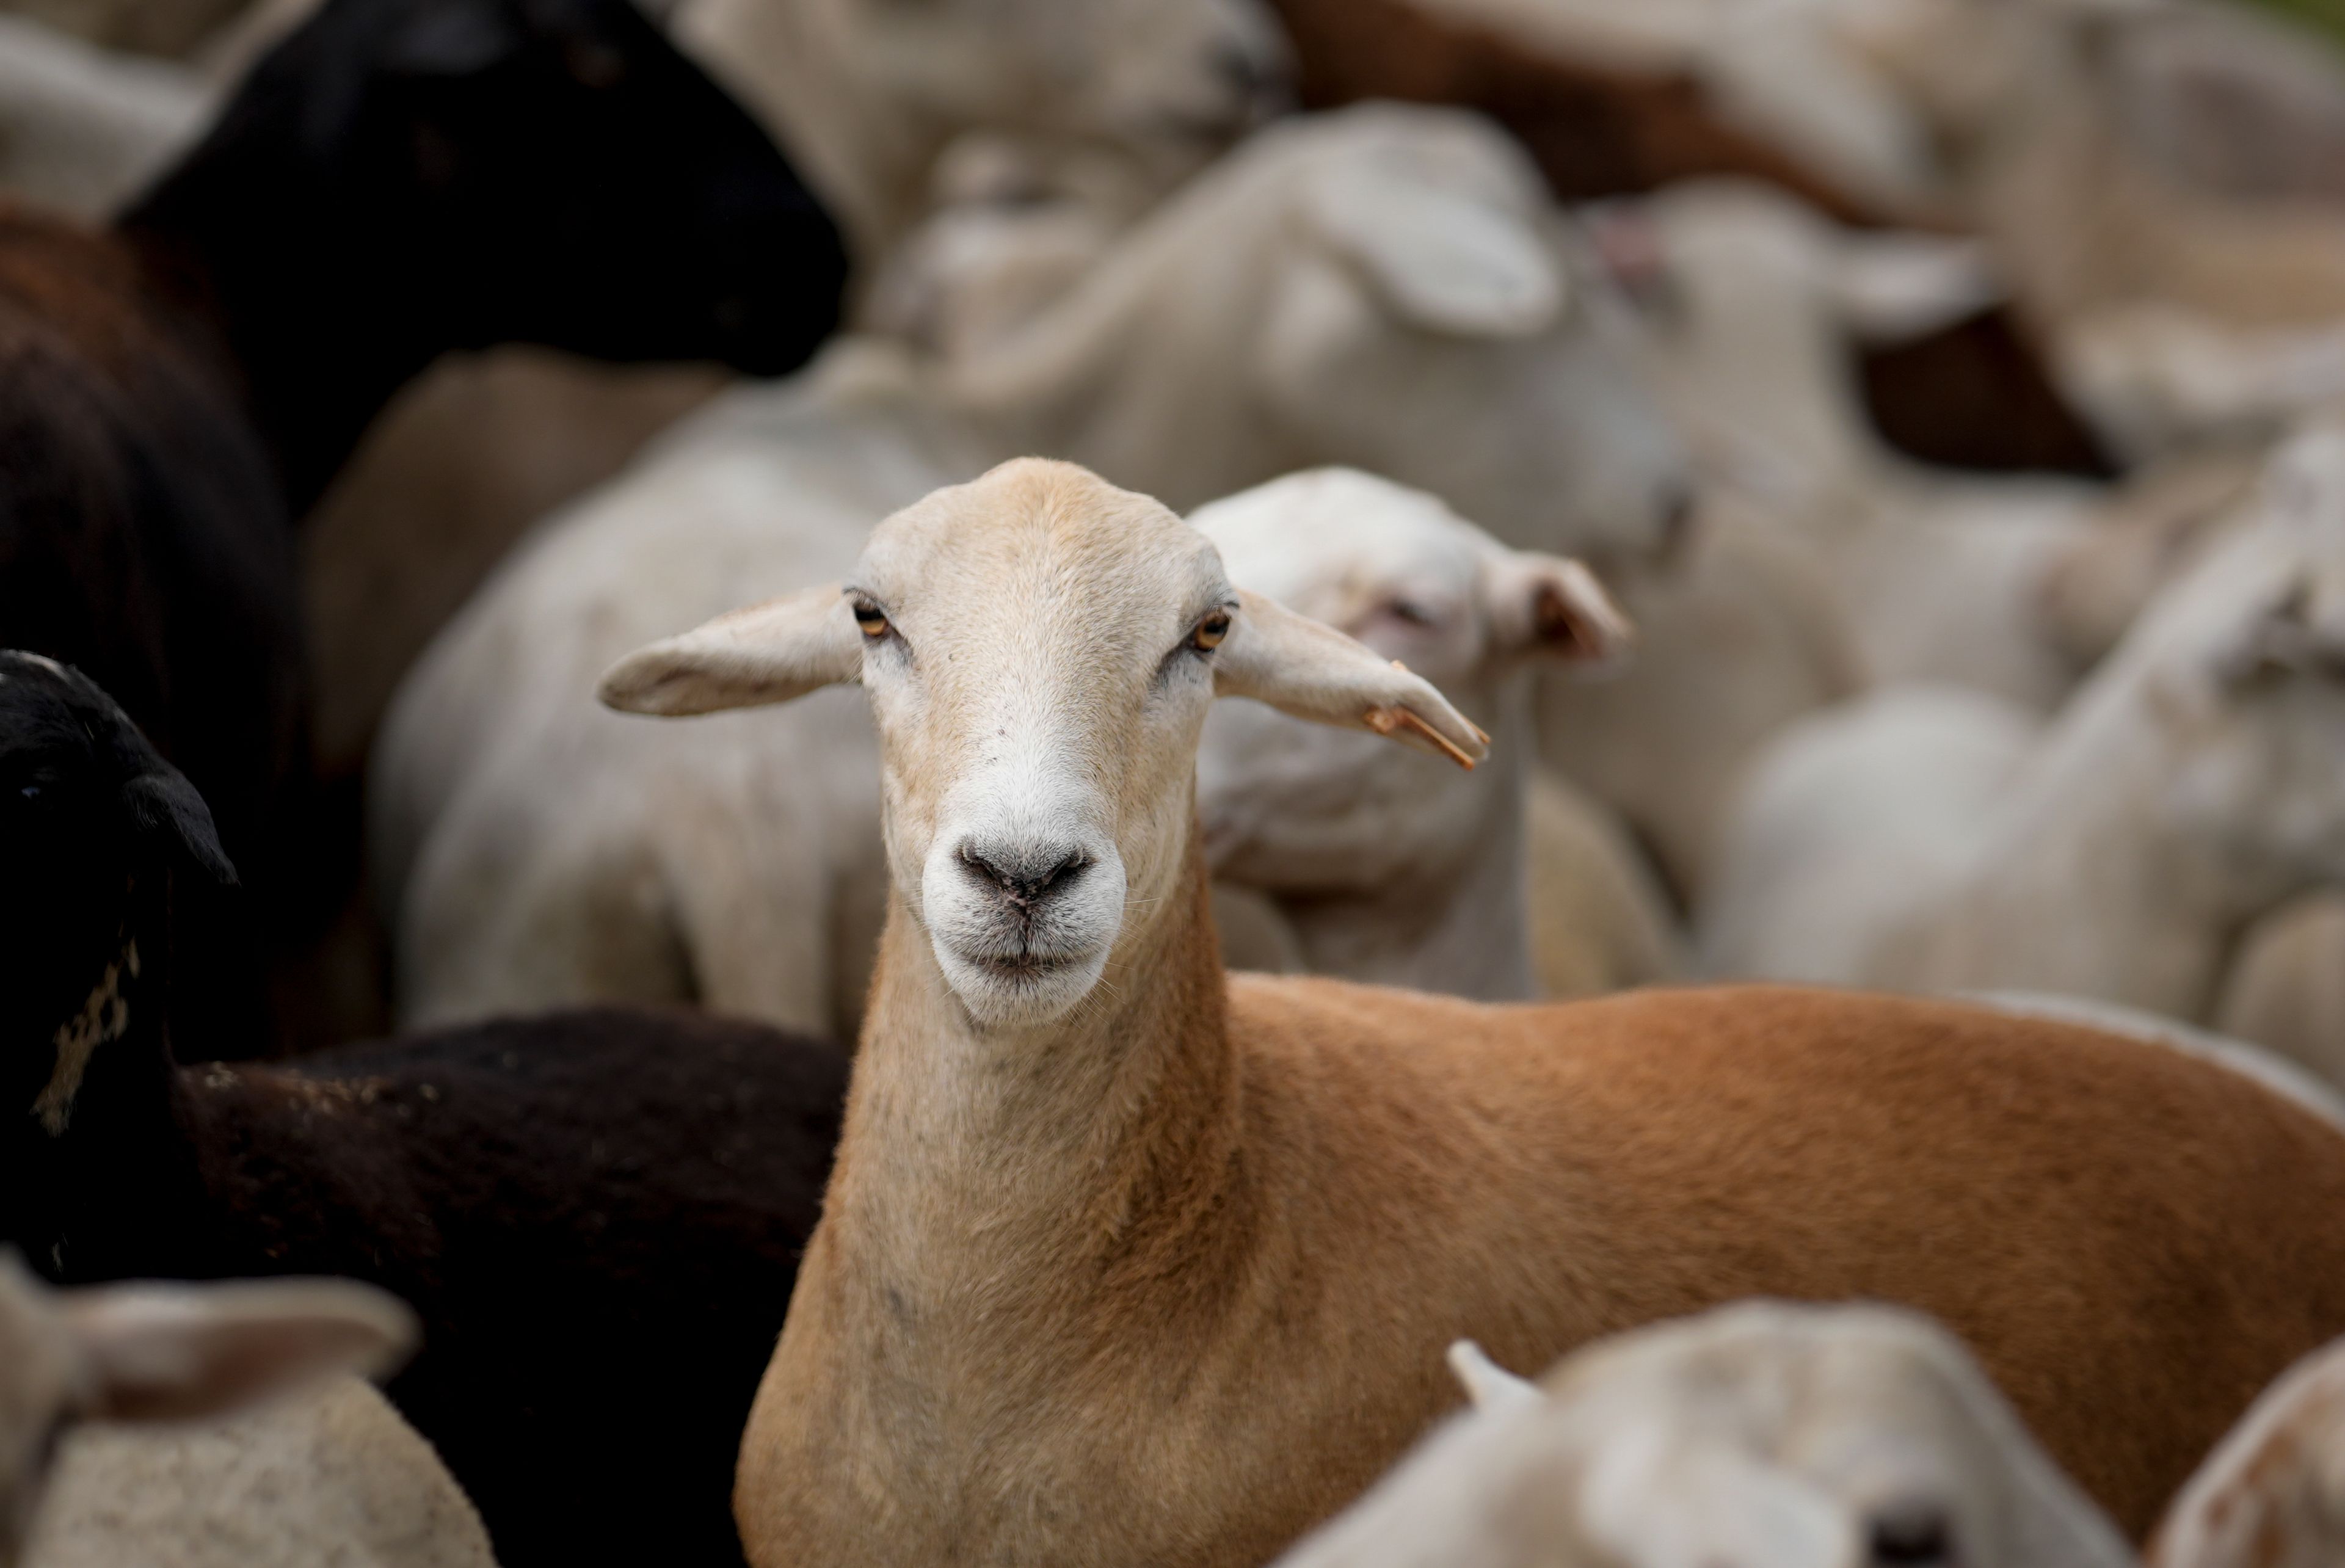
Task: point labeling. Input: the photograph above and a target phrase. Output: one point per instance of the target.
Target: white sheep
(1766, 1435)
(1389, 865)
(1374, 288)
(83, 130)
(867, 94)
(158, 1468)
(2285, 989)
(1124, 1258)
(1939, 839)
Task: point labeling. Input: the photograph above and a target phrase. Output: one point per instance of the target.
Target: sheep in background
(1373, 288)
(1183, 1243)
(866, 94)
(1935, 839)
(2273, 1496)
(2286, 986)
(81, 130)
(1763, 1434)
(1390, 866)
(307, 1474)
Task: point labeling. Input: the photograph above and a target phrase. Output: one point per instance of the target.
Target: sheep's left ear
(1440, 260)
(1488, 1385)
(178, 1352)
(1305, 668)
(770, 652)
(163, 806)
(1545, 606)
(1894, 288)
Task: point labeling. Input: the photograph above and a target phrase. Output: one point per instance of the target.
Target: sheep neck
(2085, 882)
(1032, 1177)
(1462, 928)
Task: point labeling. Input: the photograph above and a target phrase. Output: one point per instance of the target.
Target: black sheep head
(89, 812)
(471, 172)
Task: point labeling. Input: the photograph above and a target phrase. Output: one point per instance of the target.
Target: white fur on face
(1039, 712)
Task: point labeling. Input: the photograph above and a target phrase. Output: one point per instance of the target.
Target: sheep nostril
(1024, 879)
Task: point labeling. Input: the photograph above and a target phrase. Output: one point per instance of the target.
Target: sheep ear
(1441, 262)
(1314, 672)
(1895, 288)
(1545, 606)
(1488, 1385)
(770, 652)
(157, 1352)
(164, 806)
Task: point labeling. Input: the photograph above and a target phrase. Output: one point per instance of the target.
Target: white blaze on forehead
(104, 1017)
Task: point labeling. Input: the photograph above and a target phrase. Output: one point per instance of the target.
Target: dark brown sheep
(596, 1214)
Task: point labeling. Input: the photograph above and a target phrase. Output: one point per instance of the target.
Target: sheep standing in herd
(1122, 1258)
(1373, 287)
(1936, 839)
(1385, 864)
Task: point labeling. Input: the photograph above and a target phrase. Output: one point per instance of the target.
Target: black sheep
(396, 179)
(597, 1214)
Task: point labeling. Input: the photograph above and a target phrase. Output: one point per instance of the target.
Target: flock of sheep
(1841, 501)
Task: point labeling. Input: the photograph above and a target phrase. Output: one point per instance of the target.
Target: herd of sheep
(616, 818)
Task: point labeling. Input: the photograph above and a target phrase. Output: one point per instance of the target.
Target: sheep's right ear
(164, 806)
(178, 1352)
(1314, 672)
(1891, 288)
(770, 652)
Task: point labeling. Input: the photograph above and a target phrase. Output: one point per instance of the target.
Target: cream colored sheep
(1763, 1435)
(1938, 840)
(2286, 986)
(1373, 286)
(1123, 1260)
(158, 1470)
(1390, 866)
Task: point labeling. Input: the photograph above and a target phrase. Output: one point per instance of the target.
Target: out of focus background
(1922, 376)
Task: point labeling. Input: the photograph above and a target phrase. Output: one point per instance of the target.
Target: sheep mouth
(1022, 968)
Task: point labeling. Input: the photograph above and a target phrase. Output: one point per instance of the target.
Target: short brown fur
(1181, 1290)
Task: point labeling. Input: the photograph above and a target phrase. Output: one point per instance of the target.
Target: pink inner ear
(1551, 614)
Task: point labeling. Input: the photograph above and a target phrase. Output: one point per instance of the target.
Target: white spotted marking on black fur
(104, 1017)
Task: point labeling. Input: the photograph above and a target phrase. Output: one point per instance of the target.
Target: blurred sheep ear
(164, 806)
(1489, 1386)
(1895, 288)
(1314, 672)
(2288, 638)
(1442, 262)
(158, 1352)
(1545, 606)
(770, 652)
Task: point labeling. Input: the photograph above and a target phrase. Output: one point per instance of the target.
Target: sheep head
(1317, 812)
(1040, 650)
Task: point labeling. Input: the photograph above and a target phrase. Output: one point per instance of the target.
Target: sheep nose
(1022, 876)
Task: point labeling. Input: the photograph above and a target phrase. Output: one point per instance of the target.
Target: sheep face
(1308, 811)
(1428, 321)
(87, 807)
(549, 171)
(1173, 82)
(1762, 1435)
(1040, 650)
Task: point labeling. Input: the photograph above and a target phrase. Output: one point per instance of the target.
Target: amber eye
(870, 617)
(1210, 631)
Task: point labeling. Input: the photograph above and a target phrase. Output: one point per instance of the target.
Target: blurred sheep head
(551, 171)
(1762, 1435)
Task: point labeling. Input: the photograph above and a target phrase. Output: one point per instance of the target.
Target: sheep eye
(1210, 631)
(871, 620)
